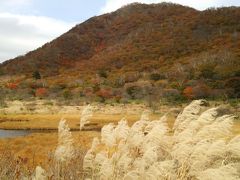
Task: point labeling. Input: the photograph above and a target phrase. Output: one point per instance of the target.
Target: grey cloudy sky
(28, 24)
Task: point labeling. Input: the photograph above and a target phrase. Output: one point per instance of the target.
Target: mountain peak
(136, 32)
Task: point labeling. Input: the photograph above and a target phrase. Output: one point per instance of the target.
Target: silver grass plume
(40, 174)
(90, 155)
(65, 148)
(228, 172)
(86, 114)
(145, 115)
(200, 146)
(107, 135)
(189, 114)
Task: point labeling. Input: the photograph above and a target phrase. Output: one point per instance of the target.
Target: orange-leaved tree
(188, 92)
(41, 92)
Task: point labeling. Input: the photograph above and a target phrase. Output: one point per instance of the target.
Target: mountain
(160, 41)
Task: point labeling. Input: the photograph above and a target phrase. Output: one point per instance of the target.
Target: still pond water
(13, 133)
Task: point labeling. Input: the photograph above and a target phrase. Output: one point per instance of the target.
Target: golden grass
(50, 121)
(37, 146)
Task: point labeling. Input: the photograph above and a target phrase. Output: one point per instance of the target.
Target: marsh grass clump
(199, 146)
(65, 170)
(66, 161)
(12, 167)
(71, 169)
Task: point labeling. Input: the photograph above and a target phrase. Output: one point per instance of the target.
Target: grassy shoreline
(50, 122)
(36, 147)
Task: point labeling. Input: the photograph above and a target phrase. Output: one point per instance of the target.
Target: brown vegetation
(137, 43)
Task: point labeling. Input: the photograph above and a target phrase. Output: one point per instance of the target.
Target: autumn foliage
(12, 85)
(188, 92)
(180, 51)
(41, 92)
(135, 33)
(105, 93)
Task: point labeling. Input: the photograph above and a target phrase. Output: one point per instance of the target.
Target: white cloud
(21, 33)
(112, 5)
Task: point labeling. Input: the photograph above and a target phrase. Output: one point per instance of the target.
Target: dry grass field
(50, 121)
(37, 148)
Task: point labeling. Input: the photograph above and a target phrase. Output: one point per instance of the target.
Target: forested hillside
(161, 50)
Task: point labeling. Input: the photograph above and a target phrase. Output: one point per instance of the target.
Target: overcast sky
(28, 24)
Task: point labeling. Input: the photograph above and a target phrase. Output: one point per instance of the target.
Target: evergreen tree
(36, 75)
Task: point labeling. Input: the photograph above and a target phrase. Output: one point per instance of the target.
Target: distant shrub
(133, 91)
(188, 92)
(36, 75)
(162, 83)
(201, 90)
(67, 94)
(207, 72)
(131, 77)
(81, 93)
(12, 85)
(117, 92)
(2, 102)
(234, 102)
(96, 88)
(118, 64)
(103, 73)
(55, 89)
(174, 85)
(237, 73)
(191, 83)
(23, 94)
(60, 86)
(88, 92)
(218, 93)
(41, 92)
(104, 94)
(138, 90)
(2, 72)
(119, 82)
(216, 84)
(35, 84)
(156, 76)
(234, 83)
(171, 94)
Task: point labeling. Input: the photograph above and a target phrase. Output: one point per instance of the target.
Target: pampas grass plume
(86, 114)
(65, 148)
